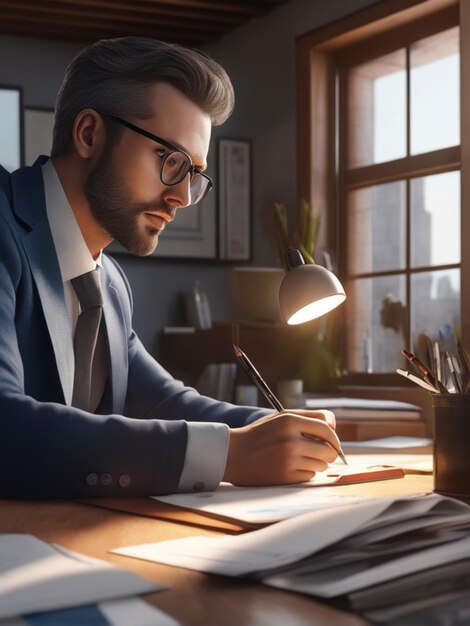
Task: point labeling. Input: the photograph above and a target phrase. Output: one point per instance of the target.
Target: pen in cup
(437, 361)
(464, 367)
(453, 372)
(424, 371)
(416, 379)
(265, 390)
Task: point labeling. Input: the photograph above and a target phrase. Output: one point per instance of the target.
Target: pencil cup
(451, 422)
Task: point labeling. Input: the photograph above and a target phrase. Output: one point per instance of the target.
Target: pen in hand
(251, 370)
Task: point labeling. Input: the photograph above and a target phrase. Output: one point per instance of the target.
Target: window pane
(435, 302)
(376, 228)
(377, 110)
(435, 92)
(376, 335)
(435, 220)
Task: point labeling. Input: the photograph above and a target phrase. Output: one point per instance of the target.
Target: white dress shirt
(207, 446)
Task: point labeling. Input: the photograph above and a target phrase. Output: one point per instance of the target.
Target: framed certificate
(234, 208)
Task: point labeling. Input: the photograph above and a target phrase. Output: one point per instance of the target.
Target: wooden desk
(193, 598)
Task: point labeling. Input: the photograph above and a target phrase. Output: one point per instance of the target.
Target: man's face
(126, 195)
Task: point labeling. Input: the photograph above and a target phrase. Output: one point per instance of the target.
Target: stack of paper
(436, 596)
(389, 445)
(333, 551)
(36, 577)
(365, 408)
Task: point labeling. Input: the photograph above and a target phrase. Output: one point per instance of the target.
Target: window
(11, 129)
(383, 159)
(400, 196)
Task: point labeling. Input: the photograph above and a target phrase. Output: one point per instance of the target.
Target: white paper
(36, 576)
(414, 463)
(297, 538)
(395, 443)
(134, 612)
(261, 505)
(273, 546)
(359, 403)
(266, 505)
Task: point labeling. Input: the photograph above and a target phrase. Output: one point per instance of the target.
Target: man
(101, 417)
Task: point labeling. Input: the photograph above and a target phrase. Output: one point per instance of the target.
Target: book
(198, 311)
(365, 408)
(218, 381)
(358, 430)
(179, 330)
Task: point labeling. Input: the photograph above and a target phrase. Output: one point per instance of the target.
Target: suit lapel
(30, 208)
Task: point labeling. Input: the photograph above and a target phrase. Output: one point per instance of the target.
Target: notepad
(253, 507)
(235, 509)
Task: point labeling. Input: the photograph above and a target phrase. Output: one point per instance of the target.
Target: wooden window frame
(318, 55)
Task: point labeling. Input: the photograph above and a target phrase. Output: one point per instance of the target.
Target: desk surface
(193, 598)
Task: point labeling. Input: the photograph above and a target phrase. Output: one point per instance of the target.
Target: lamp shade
(307, 291)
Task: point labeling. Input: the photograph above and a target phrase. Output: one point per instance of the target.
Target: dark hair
(114, 75)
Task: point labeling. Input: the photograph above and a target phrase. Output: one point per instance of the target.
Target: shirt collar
(72, 252)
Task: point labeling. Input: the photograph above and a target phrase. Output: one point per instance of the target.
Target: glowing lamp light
(307, 291)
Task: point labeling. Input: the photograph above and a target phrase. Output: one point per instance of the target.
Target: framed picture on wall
(38, 124)
(11, 127)
(234, 182)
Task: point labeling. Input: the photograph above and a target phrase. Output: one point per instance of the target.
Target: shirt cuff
(206, 456)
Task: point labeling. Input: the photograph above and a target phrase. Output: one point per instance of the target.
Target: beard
(113, 208)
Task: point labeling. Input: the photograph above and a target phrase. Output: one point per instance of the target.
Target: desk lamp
(307, 291)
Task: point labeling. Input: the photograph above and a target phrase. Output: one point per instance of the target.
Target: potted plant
(254, 290)
(319, 365)
(304, 234)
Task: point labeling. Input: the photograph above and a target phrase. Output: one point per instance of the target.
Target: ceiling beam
(188, 22)
(146, 9)
(17, 10)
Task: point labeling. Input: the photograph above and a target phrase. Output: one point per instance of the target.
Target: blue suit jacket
(137, 439)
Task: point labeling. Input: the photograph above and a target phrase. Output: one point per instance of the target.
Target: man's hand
(288, 447)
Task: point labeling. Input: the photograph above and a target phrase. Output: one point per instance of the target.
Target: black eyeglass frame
(141, 131)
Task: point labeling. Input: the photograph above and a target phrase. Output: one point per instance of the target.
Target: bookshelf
(277, 351)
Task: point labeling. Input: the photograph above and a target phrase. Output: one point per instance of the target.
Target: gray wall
(260, 60)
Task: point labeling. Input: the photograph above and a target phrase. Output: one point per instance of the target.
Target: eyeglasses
(176, 165)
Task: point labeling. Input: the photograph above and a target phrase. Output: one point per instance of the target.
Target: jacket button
(199, 486)
(92, 479)
(106, 479)
(124, 480)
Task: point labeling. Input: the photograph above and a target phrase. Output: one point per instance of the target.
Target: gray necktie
(88, 290)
